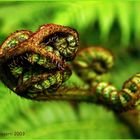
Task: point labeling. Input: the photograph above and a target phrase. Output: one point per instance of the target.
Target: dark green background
(112, 24)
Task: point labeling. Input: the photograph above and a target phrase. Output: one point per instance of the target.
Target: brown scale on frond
(25, 58)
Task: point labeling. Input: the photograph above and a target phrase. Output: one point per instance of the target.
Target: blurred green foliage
(112, 24)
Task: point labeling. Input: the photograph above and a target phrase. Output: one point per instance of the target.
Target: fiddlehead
(91, 63)
(35, 64)
(124, 99)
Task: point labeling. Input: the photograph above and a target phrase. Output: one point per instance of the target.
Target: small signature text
(9, 134)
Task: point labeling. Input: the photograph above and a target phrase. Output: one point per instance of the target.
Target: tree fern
(58, 119)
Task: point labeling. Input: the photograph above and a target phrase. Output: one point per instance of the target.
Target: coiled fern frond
(112, 24)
